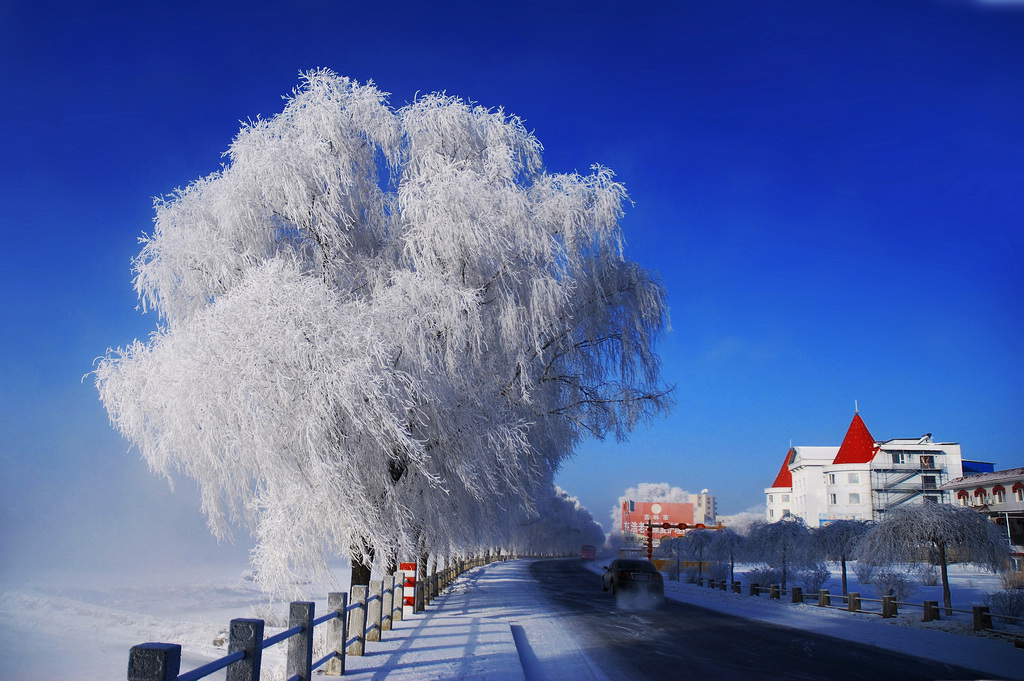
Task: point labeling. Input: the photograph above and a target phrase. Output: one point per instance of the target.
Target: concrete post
(982, 618)
(154, 662)
(300, 646)
(824, 599)
(357, 622)
(737, 588)
(798, 594)
(931, 611)
(387, 603)
(399, 598)
(853, 601)
(247, 635)
(889, 609)
(373, 611)
(419, 604)
(721, 585)
(775, 591)
(754, 591)
(336, 602)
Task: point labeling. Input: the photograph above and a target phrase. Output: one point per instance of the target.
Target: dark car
(633, 575)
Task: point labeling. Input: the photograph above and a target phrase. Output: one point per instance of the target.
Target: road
(679, 641)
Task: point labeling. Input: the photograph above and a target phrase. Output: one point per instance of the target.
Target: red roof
(858, 445)
(784, 478)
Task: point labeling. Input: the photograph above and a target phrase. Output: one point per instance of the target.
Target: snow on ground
(81, 626)
(947, 640)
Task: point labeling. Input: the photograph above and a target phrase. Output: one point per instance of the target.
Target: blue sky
(832, 193)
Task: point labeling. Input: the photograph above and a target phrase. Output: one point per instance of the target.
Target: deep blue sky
(831, 191)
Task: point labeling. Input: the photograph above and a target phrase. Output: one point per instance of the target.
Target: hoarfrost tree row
(382, 330)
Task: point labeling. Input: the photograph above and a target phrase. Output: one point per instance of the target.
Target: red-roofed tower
(858, 445)
(784, 478)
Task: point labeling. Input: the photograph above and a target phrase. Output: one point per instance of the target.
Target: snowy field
(81, 626)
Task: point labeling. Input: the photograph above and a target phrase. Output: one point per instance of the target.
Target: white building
(862, 478)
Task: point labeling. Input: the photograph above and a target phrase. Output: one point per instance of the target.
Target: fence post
(931, 611)
(247, 635)
(418, 604)
(798, 594)
(357, 621)
(824, 599)
(737, 587)
(300, 646)
(754, 591)
(373, 611)
(774, 592)
(399, 598)
(889, 609)
(337, 602)
(982, 618)
(853, 601)
(387, 603)
(154, 662)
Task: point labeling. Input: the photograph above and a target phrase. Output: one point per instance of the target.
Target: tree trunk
(783, 568)
(842, 561)
(946, 597)
(361, 572)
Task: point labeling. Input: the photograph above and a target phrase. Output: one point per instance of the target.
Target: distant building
(862, 478)
(1000, 496)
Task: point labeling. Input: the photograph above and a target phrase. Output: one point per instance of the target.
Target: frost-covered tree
(697, 543)
(784, 544)
(561, 526)
(375, 324)
(838, 541)
(954, 533)
(728, 545)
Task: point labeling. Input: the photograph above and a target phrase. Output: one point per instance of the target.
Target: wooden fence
(887, 606)
(349, 625)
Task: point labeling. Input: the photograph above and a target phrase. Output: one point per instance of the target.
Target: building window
(785, 498)
(928, 499)
(927, 461)
(771, 498)
(832, 499)
(771, 513)
(853, 478)
(1000, 497)
(963, 501)
(854, 497)
(785, 513)
(928, 481)
(898, 457)
(1019, 493)
(831, 478)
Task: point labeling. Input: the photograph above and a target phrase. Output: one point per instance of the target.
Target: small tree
(956, 533)
(697, 543)
(838, 540)
(726, 544)
(784, 543)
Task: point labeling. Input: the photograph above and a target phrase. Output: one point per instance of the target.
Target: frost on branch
(378, 323)
(949, 534)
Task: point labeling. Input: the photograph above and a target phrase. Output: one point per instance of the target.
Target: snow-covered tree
(954, 533)
(697, 543)
(728, 545)
(838, 541)
(375, 322)
(562, 525)
(784, 544)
